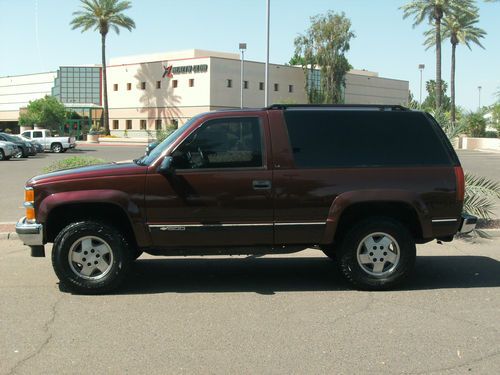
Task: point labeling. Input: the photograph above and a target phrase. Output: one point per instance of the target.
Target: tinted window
(223, 143)
(363, 138)
(27, 134)
(37, 135)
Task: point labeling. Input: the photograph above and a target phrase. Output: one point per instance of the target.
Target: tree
(429, 102)
(323, 47)
(47, 112)
(103, 15)
(460, 29)
(433, 11)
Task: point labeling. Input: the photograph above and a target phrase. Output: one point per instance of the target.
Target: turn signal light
(30, 214)
(29, 195)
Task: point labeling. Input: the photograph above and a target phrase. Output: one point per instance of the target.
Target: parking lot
(271, 314)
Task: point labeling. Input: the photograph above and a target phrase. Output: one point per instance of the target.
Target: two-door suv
(362, 183)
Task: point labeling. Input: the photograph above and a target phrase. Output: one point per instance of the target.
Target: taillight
(459, 177)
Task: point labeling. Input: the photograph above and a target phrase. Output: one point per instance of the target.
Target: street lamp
(479, 91)
(243, 47)
(268, 24)
(421, 67)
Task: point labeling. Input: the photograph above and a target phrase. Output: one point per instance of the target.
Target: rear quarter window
(322, 139)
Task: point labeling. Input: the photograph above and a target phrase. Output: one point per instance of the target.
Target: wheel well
(64, 215)
(399, 211)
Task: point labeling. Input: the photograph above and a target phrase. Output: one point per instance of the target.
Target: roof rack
(380, 107)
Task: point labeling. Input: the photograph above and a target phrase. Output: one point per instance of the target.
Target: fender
(347, 199)
(117, 198)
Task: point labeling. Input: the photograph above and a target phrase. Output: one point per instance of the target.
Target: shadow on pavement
(270, 275)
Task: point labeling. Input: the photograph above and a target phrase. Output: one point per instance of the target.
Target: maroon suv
(362, 183)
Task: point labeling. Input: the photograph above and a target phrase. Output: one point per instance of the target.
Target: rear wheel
(56, 147)
(2, 155)
(377, 254)
(91, 257)
(18, 154)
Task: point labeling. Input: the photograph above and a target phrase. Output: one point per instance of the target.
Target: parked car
(36, 145)
(54, 144)
(25, 149)
(7, 150)
(364, 184)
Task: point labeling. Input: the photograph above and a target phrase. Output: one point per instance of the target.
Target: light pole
(479, 91)
(243, 47)
(268, 23)
(421, 67)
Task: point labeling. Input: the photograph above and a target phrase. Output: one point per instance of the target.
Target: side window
(26, 134)
(37, 135)
(224, 143)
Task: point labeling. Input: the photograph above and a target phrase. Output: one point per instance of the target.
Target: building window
(116, 124)
(261, 86)
(290, 88)
(276, 87)
(158, 124)
(174, 83)
(191, 82)
(143, 85)
(129, 124)
(229, 83)
(245, 84)
(129, 86)
(115, 87)
(143, 124)
(158, 84)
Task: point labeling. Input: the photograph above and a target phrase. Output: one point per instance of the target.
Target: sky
(35, 36)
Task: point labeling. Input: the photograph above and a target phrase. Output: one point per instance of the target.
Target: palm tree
(433, 11)
(102, 15)
(460, 28)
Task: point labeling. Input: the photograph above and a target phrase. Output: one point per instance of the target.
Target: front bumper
(468, 223)
(30, 234)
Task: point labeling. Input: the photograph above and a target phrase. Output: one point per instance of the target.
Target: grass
(72, 162)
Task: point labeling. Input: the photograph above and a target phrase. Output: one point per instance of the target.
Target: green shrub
(72, 162)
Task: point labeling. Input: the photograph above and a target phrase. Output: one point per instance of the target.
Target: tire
(2, 156)
(56, 147)
(104, 248)
(377, 254)
(18, 154)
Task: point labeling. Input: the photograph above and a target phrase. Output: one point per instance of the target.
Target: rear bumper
(30, 234)
(468, 223)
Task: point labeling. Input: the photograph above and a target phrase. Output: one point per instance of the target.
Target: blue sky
(384, 41)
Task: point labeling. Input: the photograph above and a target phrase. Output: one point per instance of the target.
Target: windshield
(158, 150)
(11, 138)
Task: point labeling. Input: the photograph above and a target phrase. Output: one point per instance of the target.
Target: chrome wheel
(90, 258)
(378, 254)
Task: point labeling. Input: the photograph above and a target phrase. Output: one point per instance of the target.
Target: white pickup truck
(54, 144)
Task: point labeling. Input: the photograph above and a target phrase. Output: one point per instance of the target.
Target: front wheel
(56, 147)
(91, 257)
(377, 254)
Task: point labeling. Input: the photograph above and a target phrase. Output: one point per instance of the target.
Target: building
(151, 92)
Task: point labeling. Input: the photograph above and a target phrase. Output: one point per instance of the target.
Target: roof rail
(380, 107)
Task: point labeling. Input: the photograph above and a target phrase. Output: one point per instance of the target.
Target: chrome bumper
(468, 223)
(30, 234)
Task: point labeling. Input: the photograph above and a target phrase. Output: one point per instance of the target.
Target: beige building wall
(363, 87)
(17, 91)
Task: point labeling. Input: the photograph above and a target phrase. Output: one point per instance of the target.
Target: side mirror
(151, 146)
(167, 166)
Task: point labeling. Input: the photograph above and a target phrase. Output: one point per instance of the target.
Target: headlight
(29, 204)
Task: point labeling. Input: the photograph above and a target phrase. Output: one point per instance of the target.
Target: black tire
(136, 253)
(2, 155)
(56, 147)
(330, 251)
(392, 274)
(18, 154)
(119, 264)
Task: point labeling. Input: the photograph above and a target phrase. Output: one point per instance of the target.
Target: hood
(120, 168)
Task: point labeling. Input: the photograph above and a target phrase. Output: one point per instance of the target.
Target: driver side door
(221, 191)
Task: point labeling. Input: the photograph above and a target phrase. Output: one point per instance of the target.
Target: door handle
(261, 184)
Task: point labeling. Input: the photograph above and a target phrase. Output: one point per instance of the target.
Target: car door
(220, 193)
(37, 135)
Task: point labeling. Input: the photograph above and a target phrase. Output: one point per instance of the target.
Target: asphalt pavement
(248, 315)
